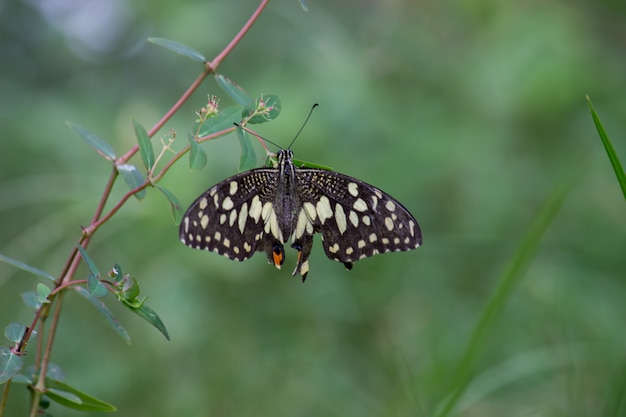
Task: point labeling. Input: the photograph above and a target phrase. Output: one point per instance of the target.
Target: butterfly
(264, 208)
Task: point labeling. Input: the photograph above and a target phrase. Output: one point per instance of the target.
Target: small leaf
(25, 267)
(608, 147)
(177, 211)
(145, 145)
(151, 317)
(248, 156)
(197, 156)
(178, 48)
(233, 90)
(30, 299)
(96, 288)
(43, 291)
(133, 178)
(70, 397)
(129, 288)
(100, 145)
(10, 364)
(104, 310)
(14, 332)
(88, 261)
(224, 120)
(266, 108)
(304, 164)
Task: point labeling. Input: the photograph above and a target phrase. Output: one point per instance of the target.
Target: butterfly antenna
(303, 124)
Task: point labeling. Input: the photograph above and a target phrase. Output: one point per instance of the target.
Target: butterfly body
(264, 208)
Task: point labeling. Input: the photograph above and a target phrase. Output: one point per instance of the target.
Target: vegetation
(473, 115)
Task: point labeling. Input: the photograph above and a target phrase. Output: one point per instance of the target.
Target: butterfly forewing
(261, 209)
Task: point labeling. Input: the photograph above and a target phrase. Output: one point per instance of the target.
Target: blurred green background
(469, 112)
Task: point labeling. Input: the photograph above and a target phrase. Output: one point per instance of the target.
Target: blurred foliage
(468, 112)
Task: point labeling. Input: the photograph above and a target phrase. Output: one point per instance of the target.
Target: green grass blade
(617, 166)
(511, 277)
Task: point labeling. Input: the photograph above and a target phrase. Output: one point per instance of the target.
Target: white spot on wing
(340, 218)
(233, 187)
(227, 204)
(359, 205)
(243, 216)
(324, 211)
(353, 189)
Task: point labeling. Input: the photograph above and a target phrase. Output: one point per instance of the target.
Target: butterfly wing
(355, 219)
(230, 217)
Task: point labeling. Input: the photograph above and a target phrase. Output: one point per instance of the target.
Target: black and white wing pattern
(264, 208)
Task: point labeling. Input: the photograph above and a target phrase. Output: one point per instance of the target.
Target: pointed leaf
(25, 267)
(88, 261)
(30, 299)
(104, 310)
(43, 291)
(151, 317)
(177, 211)
(145, 145)
(178, 48)
(14, 332)
(267, 108)
(608, 147)
(10, 364)
(248, 156)
(133, 178)
(197, 156)
(233, 90)
(305, 164)
(100, 145)
(70, 397)
(224, 120)
(96, 288)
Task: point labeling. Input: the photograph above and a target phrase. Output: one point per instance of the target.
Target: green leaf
(305, 164)
(177, 211)
(233, 90)
(10, 364)
(96, 288)
(615, 162)
(25, 267)
(104, 310)
(43, 291)
(129, 289)
(266, 108)
(30, 299)
(14, 332)
(88, 261)
(145, 145)
(151, 317)
(70, 397)
(133, 178)
(178, 48)
(100, 145)
(224, 120)
(197, 156)
(248, 156)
